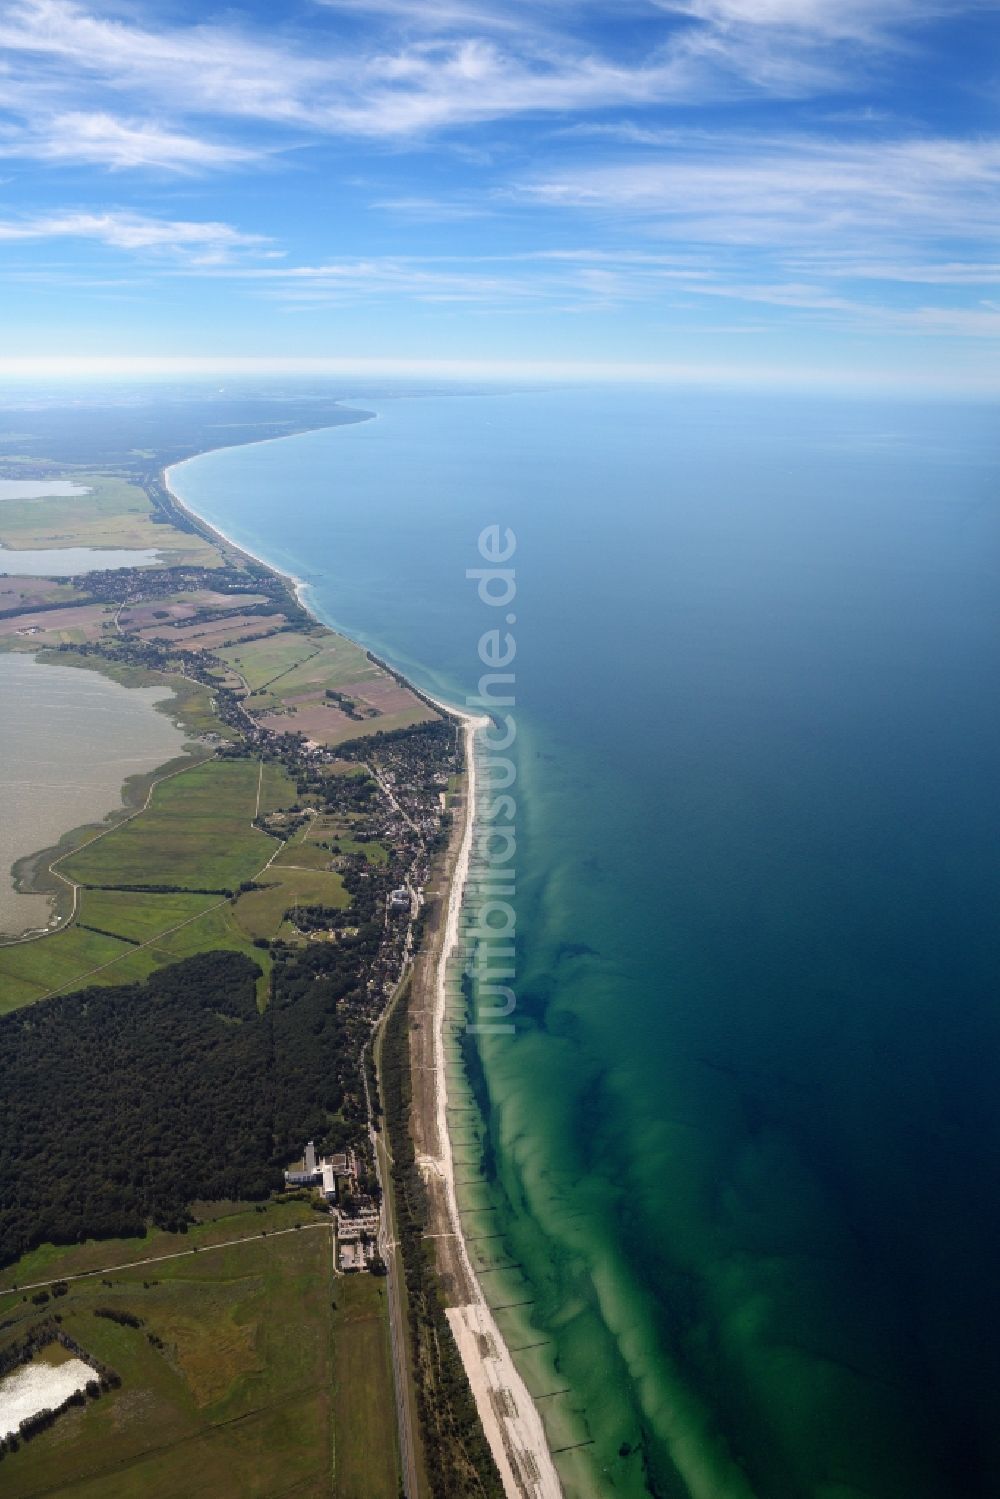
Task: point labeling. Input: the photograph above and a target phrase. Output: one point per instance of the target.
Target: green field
(260, 913)
(116, 513)
(303, 856)
(374, 852)
(217, 1222)
(170, 927)
(29, 970)
(216, 931)
(275, 1376)
(259, 661)
(366, 1451)
(129, 913)
(276, 788)
(283, 666)
(335, 662)
(195, 834)
(309, 848)
(238, 1400)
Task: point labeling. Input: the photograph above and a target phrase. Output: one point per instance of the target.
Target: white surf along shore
(517, 1439)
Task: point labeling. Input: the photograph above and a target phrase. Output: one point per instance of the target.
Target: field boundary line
(175, 1254)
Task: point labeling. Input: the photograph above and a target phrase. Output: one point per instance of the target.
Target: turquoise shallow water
(739, 1160)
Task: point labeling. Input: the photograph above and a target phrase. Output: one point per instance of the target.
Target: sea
(737, 1164)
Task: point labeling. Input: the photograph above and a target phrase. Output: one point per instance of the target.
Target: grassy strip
(366, 1465)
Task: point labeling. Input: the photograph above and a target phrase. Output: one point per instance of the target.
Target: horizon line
(153, 366)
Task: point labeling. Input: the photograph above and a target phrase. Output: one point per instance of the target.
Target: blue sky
(804, 189)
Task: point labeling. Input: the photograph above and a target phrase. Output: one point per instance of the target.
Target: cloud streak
(204, 244)
(521, 157)
(100, 139)
(777, 192)
(430, 68)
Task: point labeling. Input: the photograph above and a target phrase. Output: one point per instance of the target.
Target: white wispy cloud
(101, 139)
(781, 192)
(202, 243)
(809, 225)
(449, 64)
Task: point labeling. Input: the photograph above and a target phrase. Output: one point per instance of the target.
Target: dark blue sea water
(745, 1143)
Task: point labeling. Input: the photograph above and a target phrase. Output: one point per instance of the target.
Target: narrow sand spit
(510, 1418)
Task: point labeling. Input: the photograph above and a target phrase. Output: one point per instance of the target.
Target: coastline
(509, 1415)
(522, 1433)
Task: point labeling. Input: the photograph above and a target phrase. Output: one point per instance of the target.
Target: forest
(120, 1106)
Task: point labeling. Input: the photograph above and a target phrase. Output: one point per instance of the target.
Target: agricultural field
(291, 673)
(73, 625)
(184, 606)
(116, 513)
(78, 957)
(196, 834)
(123, 935)
(27, 593)
(210, 634)
(30, 970)
(227, 1383)
(139, 917)
(266, 660)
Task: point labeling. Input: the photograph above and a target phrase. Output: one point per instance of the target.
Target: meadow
(196, 834)
(226, 1384)
(116, 513)
(274, 1375)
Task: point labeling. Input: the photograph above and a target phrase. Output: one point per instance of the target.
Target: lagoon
(70, 562)
(68, 740)
(36, 489)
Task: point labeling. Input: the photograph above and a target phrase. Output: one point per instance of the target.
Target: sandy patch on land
(39, 1386)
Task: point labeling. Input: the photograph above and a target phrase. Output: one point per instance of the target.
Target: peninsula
(226, 1221)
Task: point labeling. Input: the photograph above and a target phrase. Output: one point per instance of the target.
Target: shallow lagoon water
(36, 489)
(743, 1146)
(68, 562)
(69, 738)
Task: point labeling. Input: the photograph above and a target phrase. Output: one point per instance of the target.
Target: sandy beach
(509, 1416)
